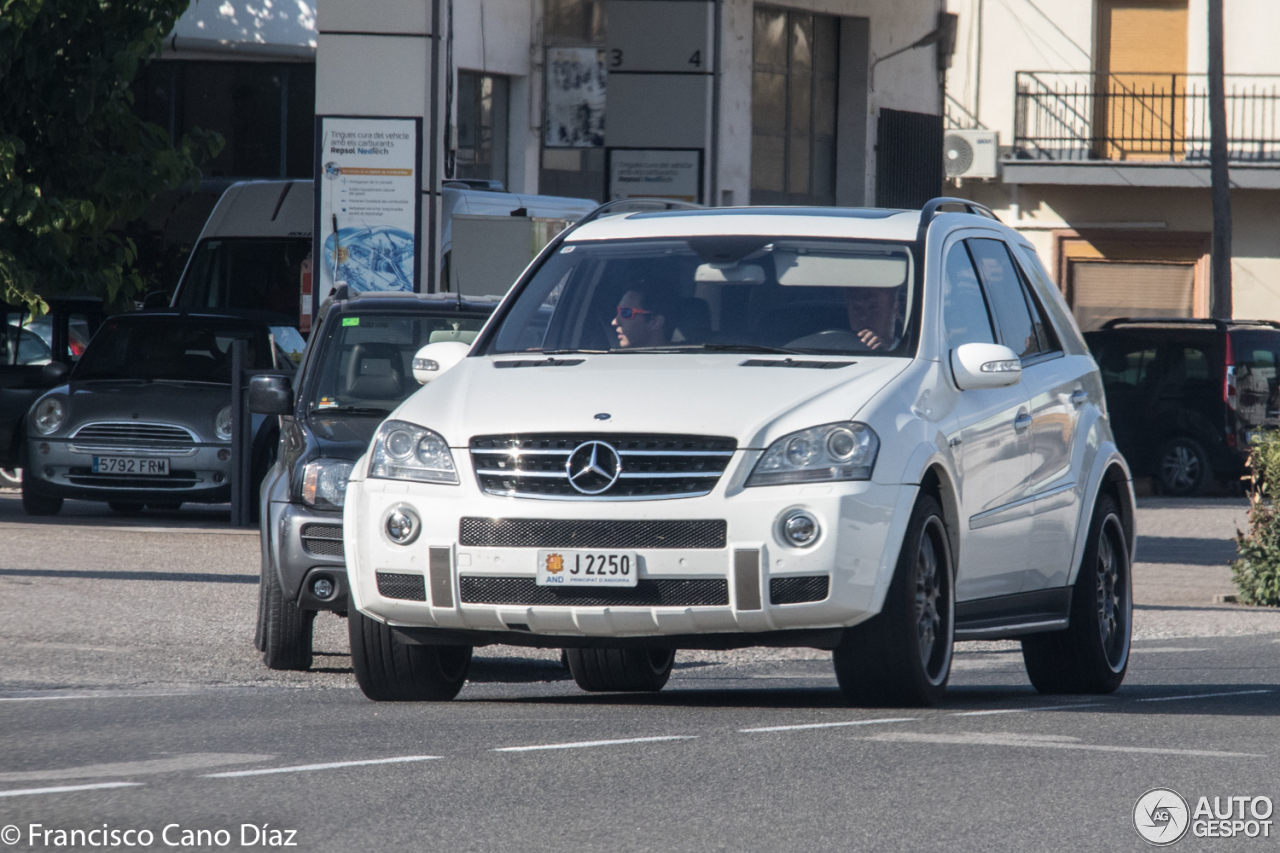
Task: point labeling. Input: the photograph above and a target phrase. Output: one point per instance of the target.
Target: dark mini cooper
(358, 368)
(144, 418)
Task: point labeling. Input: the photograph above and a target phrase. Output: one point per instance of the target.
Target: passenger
(645, 318)
(873, 315)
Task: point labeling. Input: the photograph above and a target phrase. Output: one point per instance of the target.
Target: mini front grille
(798, 590)
(324, 540)
(590, 533)
(646, 593)
(139, 435)
(647, 466)
(404, 587)
(84, 476)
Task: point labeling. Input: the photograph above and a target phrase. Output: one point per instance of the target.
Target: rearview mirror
(270, 395)
(434, 359)
(985, 366)
(54, 373)
(155, 299)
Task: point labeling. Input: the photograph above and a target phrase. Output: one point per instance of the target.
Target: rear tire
(1092, 655)
(902, 656)
(620, 670)
(1182, 468)
(10, 478)
(389, 669)
(37, 504)
(126, 507)
(286, 627)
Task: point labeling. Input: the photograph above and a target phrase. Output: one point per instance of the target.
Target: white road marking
(586, 743)
(1202, 695)
(332, 765)
(1025, 710)
(832, 725)
(61, 789)
(192, 761)
(103, 695)
(1167, 649)
(1045, 742)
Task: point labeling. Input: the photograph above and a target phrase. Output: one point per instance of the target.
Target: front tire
(620, 670)
(1092, 655)
(34, 503)
(286, 629)
(902, 656)
(389, 669)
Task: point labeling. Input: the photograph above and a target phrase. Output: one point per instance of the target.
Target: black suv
(357, 368)
(1185, 396)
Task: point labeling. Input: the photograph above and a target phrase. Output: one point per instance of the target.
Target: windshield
(366, 364)
(715, 293)
(178, 349)
(254, 274)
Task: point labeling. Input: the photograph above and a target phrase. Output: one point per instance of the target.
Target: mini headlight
(324, 482)
(48, 415)
(222, 423)
(405, 451)
(844, 451)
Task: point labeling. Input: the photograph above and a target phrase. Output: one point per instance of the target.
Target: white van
(255, 250)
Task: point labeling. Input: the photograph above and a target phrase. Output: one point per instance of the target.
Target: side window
(1126, 368)
(964, 307)
(1186, 372)
(1003, 285)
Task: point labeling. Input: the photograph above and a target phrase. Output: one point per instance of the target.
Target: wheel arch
(935, 481)
(1111, 477)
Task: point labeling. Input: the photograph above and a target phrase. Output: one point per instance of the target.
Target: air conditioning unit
(971, 153)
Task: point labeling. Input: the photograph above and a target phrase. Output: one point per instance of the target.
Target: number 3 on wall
(615, 58)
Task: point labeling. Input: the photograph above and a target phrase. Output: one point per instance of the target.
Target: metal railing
(1141, 117)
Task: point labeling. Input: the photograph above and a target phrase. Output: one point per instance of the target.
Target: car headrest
(375, 372)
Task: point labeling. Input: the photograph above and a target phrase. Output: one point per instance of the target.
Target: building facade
(1100, 112)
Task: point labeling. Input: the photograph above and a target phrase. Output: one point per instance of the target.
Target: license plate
(130, 465)
(587, 568)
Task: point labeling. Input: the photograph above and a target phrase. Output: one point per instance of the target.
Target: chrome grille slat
(114, 435)
(654, 466)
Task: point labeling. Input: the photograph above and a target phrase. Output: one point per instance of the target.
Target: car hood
(342, 436)
(191, 405)
(691, 394)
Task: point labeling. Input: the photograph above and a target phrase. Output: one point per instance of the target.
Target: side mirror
(434, 359)
(985, 366)
(155, 299)
(54, 373)
(270, 395)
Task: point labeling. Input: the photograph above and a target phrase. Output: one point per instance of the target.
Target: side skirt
(1013, 615)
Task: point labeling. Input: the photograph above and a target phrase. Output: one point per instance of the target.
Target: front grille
(404, 587)
(798, 590)
(134, 435)
(646, 593)
(84, 476)
(648, 466)
(324, 540)
(592, 533)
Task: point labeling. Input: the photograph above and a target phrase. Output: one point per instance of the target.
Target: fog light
(323, 588)
(44, 448)
(218, 478)
(403, 525)
(224, 455)
(800, 528)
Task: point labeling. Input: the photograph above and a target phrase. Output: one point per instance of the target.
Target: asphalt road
(130, 696)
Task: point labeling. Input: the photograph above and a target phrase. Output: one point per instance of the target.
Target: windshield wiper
(713, 348)
(352, 410)
(561, 351)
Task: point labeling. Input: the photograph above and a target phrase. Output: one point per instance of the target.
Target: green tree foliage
(1257, 572)
(75, 162)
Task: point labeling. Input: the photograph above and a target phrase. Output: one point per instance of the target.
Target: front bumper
(445, 585)
(196, 475)
(306, 546)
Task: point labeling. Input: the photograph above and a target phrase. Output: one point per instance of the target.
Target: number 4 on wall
(696, 59)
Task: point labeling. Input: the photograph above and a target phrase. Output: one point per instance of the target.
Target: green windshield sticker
(351, 321)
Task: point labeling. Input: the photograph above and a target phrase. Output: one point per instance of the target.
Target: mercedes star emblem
(593, 467)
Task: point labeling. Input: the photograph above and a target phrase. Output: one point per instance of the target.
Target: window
(965, 312)
(183, 350)
(1018, 328)
(259, 274)
(482, 126)
(793, 101)
(573, 115)
(1125, 368)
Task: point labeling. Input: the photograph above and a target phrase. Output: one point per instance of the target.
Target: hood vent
(540, 362)
(787, 362)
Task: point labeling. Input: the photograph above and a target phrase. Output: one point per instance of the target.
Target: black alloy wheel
(1183, 468)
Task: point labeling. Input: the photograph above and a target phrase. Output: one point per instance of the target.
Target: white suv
(870, 431)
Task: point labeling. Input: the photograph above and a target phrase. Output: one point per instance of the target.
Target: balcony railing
(1142, 117)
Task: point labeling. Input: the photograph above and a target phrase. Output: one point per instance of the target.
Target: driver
(645, 318)
(873, 315)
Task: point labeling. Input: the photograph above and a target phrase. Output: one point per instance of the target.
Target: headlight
(324, 483)
(48, 416)
(845, 451)
(222, 423)
(404, 451)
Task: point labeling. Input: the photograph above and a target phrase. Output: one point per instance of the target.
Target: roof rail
(641, 204)
(930, 210)
(1221, 325)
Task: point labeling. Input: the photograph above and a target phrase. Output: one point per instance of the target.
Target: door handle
(1022, 421)
(1079, 397)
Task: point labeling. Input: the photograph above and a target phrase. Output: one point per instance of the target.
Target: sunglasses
(628, 313)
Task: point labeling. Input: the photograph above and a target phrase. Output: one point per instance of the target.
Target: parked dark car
(1185, 396)
(357, 369)
(144, 418)
(27, 346)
